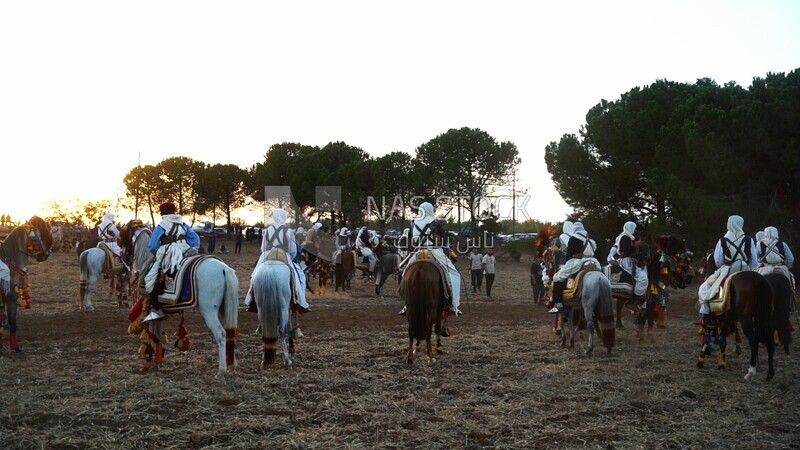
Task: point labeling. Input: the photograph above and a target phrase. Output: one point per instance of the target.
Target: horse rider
(427, 233)
(623, 254)
(774, 255)
(733, 253)
(278, 238)
(172, 241)
(364, 244)
(580, 251)
(108, 234)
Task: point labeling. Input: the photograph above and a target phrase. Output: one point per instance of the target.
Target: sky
(90, 89)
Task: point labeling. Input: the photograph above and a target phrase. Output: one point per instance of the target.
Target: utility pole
(514, 203)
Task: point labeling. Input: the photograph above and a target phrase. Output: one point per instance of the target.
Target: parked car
(204, 229)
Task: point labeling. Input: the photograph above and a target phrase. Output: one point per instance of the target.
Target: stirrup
(154, 315)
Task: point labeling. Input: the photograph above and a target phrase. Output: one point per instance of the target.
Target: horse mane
(44, 230)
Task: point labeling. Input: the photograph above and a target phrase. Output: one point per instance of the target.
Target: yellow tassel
(777, 338)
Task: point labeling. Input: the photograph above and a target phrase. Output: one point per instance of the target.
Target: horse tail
(270, 312)
(230, 313)
(605, 317)
(782, 298)
(763, 298)
(416, 292)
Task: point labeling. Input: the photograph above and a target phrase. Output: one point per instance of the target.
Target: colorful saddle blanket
(180, 290)
(113, 265)
(572, 293)
(722, 302)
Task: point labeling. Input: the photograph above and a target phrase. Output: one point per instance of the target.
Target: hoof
(620, 326)
(588, 351)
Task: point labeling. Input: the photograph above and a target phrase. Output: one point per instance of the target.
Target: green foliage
(685, 156)
(520, 247)
(464, 163)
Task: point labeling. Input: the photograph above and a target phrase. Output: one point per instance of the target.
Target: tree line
(683, 157)
(457, 168)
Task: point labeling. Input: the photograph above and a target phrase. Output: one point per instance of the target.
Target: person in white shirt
(476, 269)
(489, 264)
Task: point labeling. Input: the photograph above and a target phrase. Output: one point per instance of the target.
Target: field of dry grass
(503, 381)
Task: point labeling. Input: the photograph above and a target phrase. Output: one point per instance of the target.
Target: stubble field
(503, 381)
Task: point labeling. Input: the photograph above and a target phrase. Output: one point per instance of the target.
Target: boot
(558, 296)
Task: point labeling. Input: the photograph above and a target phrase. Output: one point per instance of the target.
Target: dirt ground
(504, 380)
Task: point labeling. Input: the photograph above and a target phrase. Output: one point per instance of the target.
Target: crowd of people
(571, 251)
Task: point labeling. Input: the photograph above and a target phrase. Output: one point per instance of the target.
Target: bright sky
(86, 87)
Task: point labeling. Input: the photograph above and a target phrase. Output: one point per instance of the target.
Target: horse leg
(590, 327)
(286, 323)
(12, 307)
(770, 353)
(723, 344)
(87, 301)
(749, 332)
(429, 347)
(620, 303)
(564, 328)
(410, 354)
(210, 314)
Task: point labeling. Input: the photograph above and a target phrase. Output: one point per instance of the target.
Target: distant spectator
(476, 269)
(212, 241)
(223, 249)
(489, 264)
(536, 280)
(237, 248)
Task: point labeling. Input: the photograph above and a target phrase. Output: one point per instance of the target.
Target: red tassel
(136, 310)
(12, 340)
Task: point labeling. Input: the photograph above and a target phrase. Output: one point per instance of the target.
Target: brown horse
(345, 269)
(751, 305)
(421, 289)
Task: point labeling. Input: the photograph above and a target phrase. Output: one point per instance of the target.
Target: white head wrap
(279, 217)
(735, 231)
(770, 235)
(426, 210)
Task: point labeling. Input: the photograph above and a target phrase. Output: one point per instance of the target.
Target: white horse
(598, 309)
(217, 292)
(273, 296)
(92, 265)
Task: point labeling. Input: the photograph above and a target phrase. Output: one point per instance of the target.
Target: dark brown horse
(421, 289)
(751, 305)
(345, 270)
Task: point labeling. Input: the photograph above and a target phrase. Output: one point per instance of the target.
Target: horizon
(96, 88)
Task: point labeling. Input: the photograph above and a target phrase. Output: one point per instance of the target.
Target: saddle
(425, 257)
(572, 293)
(180, 287)
(113, 265)
(722, 302)
(619, 288)
(279, 255)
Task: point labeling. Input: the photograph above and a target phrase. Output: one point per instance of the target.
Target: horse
(134, 238)
(32, 239)
(273, 296)
(422, 291)
(345, 269)
(597, 307)
(624, 297)
(387, 266)
(93, 263)
(217, 299)
(86, 244)
(751, 305)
